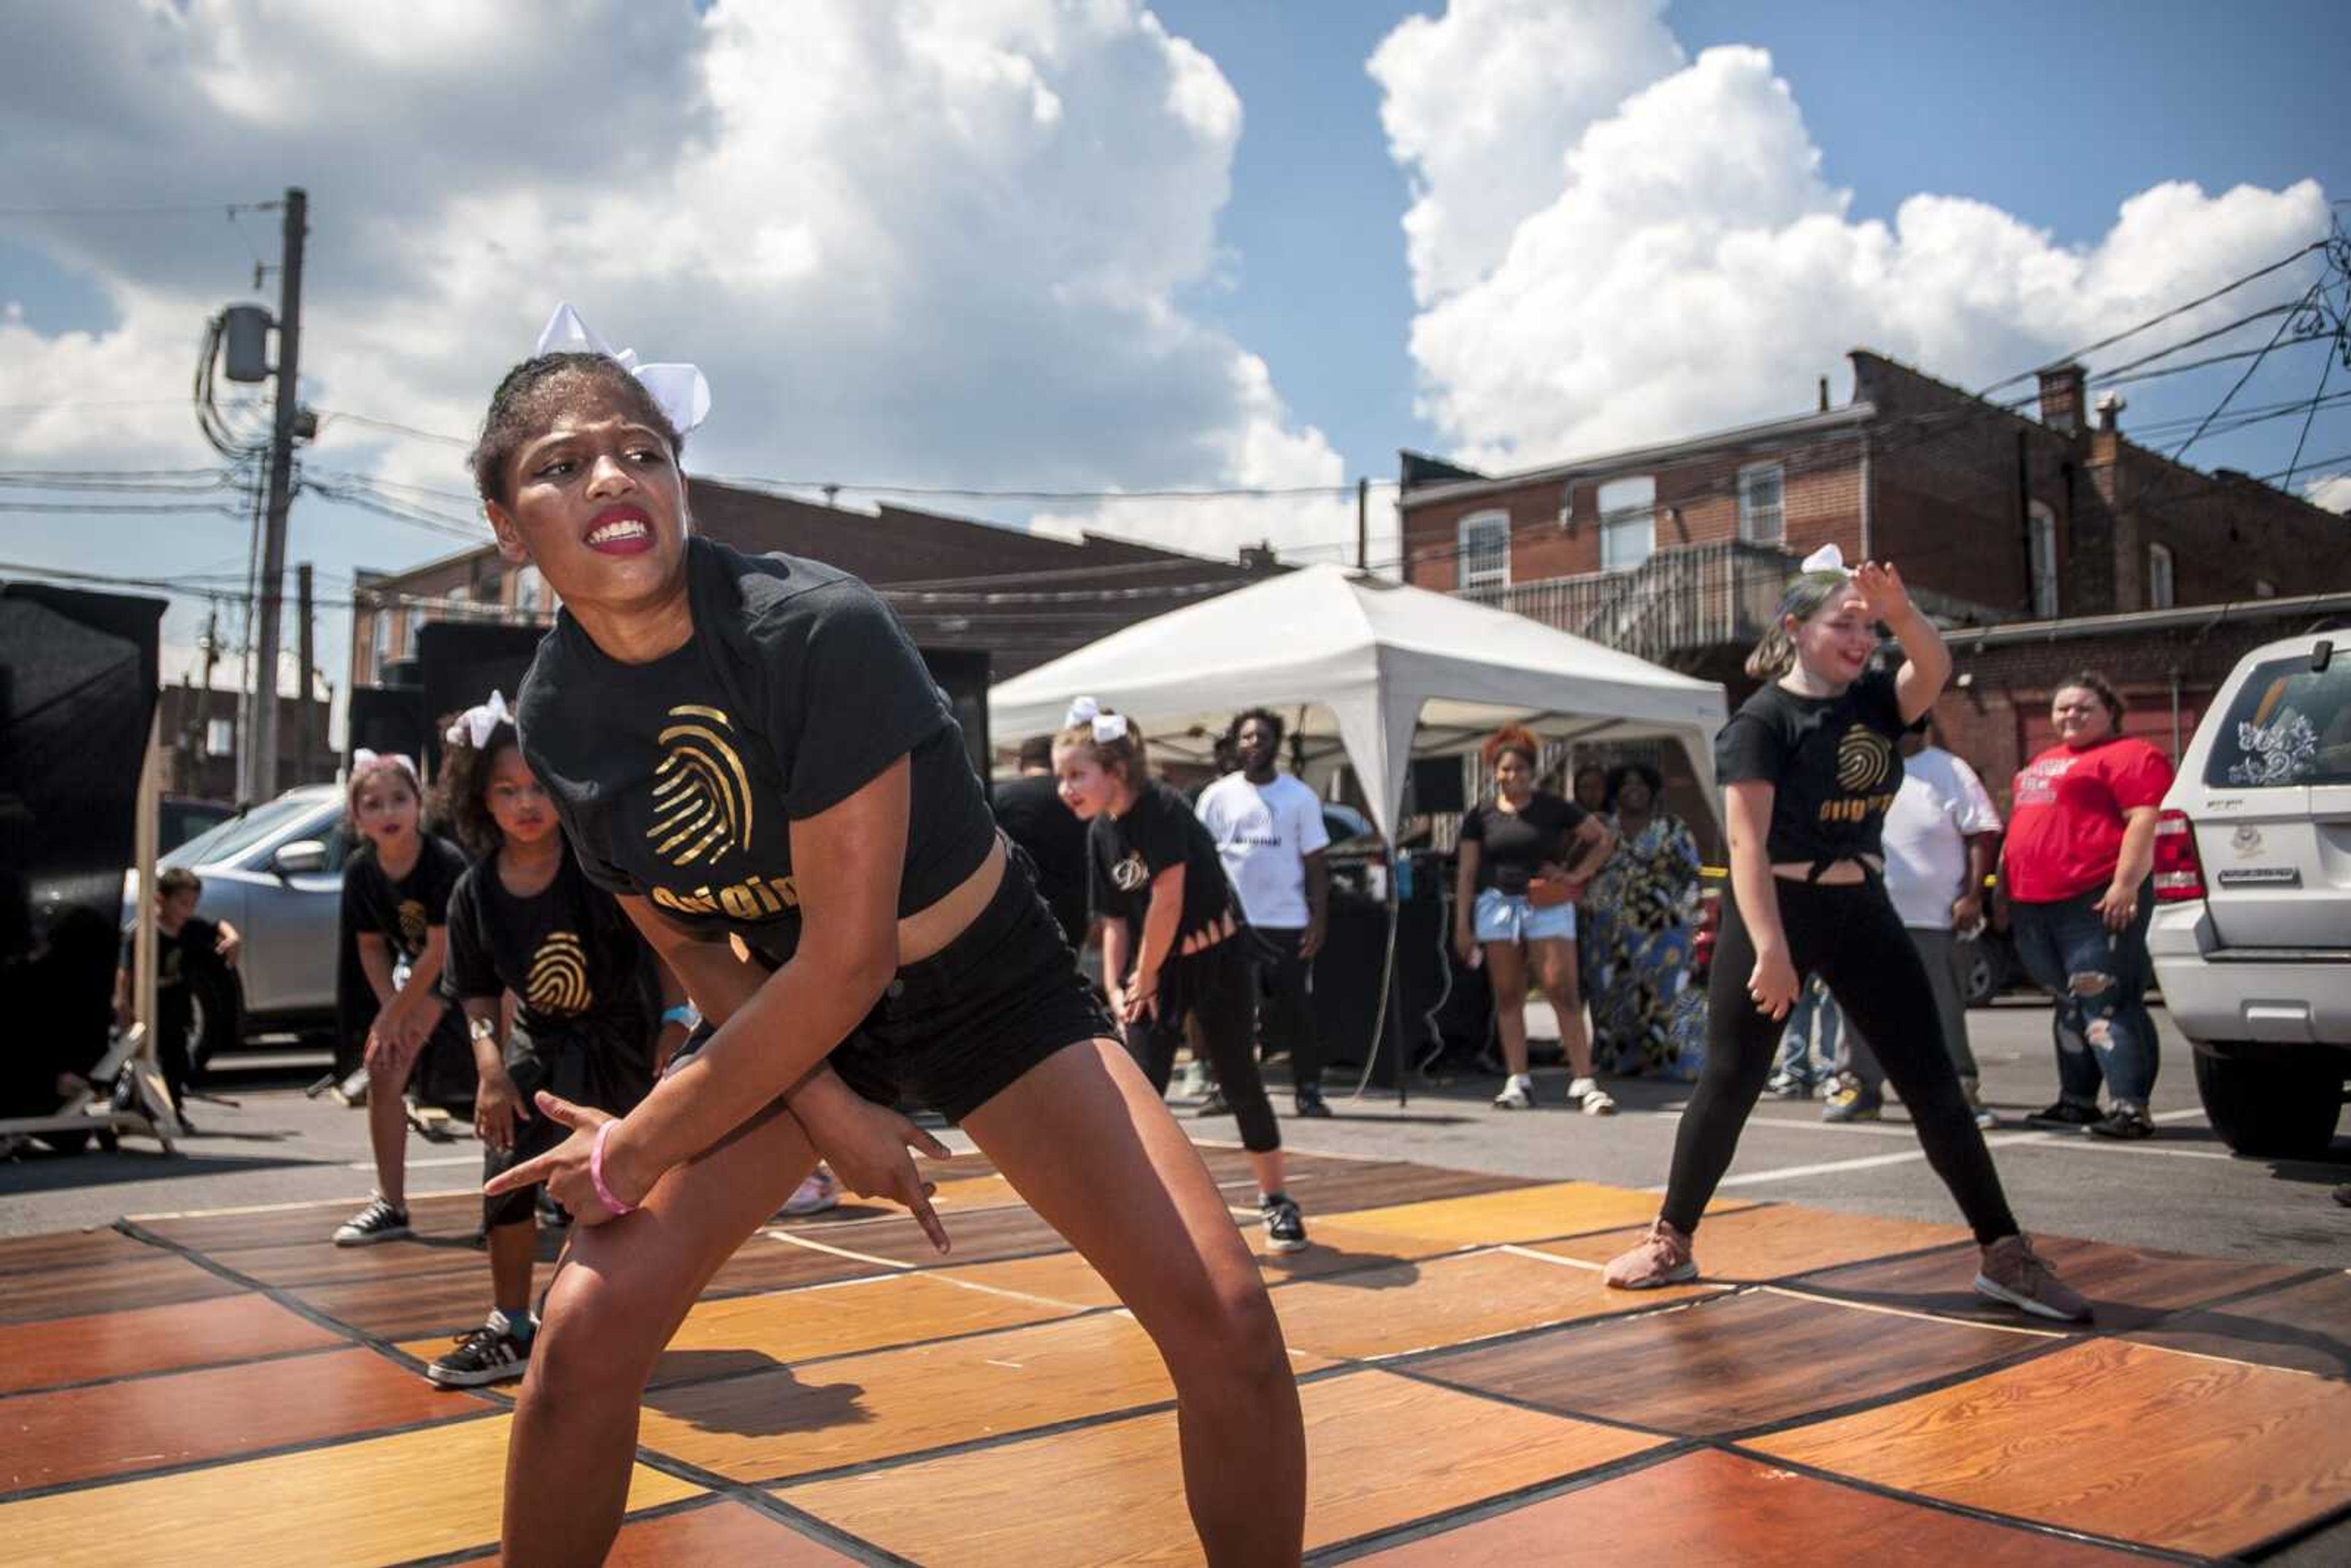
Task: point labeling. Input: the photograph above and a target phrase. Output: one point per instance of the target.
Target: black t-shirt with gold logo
(567, 952)
(679, 780)
(1158, 831)
(402, 913)
(1835, 761)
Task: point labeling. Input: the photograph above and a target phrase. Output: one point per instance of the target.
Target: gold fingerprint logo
(701, 796)
(559, 975)
(1864, 759)
(413, 924)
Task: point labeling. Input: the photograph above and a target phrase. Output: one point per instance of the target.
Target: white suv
(2252, 931)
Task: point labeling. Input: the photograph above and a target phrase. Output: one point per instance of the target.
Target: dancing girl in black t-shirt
(1809, 764)
(749, 749)
(1172, 941)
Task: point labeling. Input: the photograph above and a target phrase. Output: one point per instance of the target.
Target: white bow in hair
(1828, 557)
(680, 390)
(363, 757)
(477, 723)
(1106, 725)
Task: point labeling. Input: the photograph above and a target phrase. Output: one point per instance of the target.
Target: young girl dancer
(523, 920)
(396, 890)
(750, 748)
(1172, 936)
(1809, 764)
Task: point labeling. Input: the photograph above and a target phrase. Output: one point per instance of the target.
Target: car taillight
(2178, 873)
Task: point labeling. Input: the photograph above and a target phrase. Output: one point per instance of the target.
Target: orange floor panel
(708, 1535)
(1381, 1452)
(1448, 1301)
(150, 1278)
(151, 1339)
(2126, 1441)
(1520, 1214)
(1777, 1240)
(1712, 1510)
(385, 1501)
(744, 1332)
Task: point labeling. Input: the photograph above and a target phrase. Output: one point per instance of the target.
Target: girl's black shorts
(955, 1029)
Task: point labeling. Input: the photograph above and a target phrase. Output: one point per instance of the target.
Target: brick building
(1055, 594)
(197, 722)
(2017, 526)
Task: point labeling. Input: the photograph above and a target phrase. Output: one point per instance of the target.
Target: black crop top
(1837, 763)
(679, 780)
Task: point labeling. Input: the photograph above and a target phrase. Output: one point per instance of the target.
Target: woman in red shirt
(2081, 844)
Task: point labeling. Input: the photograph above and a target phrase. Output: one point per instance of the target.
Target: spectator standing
(2080, 851)
(187, 946)
(1638, 920)
(1808, 1046)
(1941, 839)
(1032, 814)
(1269, 832)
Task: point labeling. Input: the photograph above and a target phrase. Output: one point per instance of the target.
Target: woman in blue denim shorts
(1525, 856)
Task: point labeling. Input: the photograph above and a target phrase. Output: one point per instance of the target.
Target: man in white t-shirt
(1942, 835)
(1270, 834)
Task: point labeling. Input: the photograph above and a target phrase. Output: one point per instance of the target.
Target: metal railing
(1678, 600)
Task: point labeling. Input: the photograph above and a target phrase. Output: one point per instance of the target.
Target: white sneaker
(1518, 1094)
(816, 1192)
(1595, 1101)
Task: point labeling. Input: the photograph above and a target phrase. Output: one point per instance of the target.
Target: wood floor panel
(1515, 1214)
(150, 1423)
(1340, 1186)
(67, 1250)
(1728, 1365)
(1713, 1510)
(2306, 1327)
(766, 1262)
(298, 1263)
(976, 1236)
(454, 1215)
(151, 1339)
(741, 1333)
(716, 1535)
(1381, 1451)
(158, 1279)
(1447, 1300)
(404, 1307)
(1778, 1241)
(788, 1423)
(378, 1501)
(2130, 1287)
(2128, 1441)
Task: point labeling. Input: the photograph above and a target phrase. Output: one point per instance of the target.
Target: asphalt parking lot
(2181, 1189)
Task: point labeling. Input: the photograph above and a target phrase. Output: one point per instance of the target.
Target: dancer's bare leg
(1505, 971)
(1084, 1139)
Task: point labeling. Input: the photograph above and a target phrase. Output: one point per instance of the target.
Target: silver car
(275, 873)
(2251, 929)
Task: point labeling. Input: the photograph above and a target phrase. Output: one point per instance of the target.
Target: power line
(137, 209)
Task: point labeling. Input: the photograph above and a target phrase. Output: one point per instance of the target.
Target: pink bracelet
(596, 1171)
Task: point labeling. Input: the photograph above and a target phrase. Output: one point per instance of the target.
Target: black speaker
(462, 662)
(962, 674)
(389, 719)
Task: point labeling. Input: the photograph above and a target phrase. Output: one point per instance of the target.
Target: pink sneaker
(1662, 1257)
(2012, 1272)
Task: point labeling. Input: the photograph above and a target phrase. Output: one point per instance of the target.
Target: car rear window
(2290, 725)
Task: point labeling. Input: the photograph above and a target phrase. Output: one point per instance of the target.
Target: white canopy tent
(1380, 671)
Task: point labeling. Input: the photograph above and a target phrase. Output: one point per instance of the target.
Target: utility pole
(260, 782)
(1363, 524)
(308, 745)
(199, 747)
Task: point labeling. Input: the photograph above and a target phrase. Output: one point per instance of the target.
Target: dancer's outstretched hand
(1882, 592)
(1773, 985)
(866, 1146)
(565, 1167)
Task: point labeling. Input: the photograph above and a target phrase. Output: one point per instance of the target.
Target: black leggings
(1218, 987)
(1850, 936)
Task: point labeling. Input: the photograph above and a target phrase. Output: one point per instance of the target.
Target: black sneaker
(1310, 1101)
(486, 1355)
(1213, 1104)
(1285, 1228)
(379, 1221)
(2124, 1122)
(2064, 1116)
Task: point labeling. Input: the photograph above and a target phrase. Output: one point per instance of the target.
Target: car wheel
(2286, 1109)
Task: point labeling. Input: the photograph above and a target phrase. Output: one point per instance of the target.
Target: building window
(380, 640)
(1761, 518)
(2159, 594)
(2041, 529)
(530, 588)
(1628, 522)
(220, 738)
(411, 622)
(1484, 541)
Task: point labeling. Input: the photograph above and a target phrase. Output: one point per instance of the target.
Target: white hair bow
(1107, 726)
(363, 757)
(680, 390)
(477, 723)
(1828, 557)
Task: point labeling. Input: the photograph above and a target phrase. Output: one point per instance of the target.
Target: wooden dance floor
(229, 1388)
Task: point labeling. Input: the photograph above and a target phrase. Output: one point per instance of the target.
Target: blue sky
(1018, 246)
